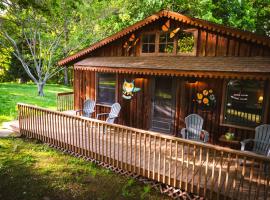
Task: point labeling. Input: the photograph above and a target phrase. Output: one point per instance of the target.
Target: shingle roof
(181, 63)
(245, 35)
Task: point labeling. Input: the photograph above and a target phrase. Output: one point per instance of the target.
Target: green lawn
(33, 171)
(12, 93)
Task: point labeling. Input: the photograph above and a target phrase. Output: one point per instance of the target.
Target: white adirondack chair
(113, 114)
(88, 108)
(193, 130)
(261, 143)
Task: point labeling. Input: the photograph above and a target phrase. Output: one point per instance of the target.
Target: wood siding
(137, 112)
(134, 113)
(209, 43)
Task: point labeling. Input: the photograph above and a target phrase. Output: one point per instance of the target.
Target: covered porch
(170, 88)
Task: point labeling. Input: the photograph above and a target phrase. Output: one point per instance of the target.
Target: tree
(41, 39)
(72, 25)
(5, 60)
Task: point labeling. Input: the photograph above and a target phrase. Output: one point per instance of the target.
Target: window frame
(141, 43)
(97, 88)
(175, 40)
(165, 53)
(240, 126)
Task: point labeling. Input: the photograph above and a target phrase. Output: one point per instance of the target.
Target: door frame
(173, 101)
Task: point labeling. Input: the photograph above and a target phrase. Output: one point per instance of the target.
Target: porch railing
(210, 171)
(65, 101)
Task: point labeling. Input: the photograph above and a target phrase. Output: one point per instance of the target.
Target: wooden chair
(113, 114)
(261, 143)
(193, 130)
(88, 108)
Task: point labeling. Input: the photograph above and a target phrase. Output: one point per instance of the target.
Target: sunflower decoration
(206, 98)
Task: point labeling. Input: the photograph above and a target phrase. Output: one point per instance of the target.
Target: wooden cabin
(175, 65)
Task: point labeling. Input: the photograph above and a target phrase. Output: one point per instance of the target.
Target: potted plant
(229, 136)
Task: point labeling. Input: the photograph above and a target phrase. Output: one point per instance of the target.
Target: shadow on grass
(33, 171)
(19, 180)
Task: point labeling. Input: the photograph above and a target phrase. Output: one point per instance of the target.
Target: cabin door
(163, 101)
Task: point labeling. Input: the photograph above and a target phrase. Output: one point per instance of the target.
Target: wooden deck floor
(186, 166)
(155, 158)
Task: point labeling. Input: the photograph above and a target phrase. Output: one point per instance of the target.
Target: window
(244, 102)
(170, 42)
(165, 43)
(148, 43)
(106, 88)
(186, 42)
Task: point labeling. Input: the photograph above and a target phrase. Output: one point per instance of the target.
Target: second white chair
(113, 114)
(193, 130)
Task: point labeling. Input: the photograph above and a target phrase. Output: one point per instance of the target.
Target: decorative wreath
(206, 98)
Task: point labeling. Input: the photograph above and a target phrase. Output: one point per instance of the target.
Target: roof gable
(245, 35)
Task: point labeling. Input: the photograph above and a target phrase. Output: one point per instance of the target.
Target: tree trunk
(40, 89)
(66, 82)
(65, 50)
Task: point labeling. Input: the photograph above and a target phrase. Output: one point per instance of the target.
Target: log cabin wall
(137, 111)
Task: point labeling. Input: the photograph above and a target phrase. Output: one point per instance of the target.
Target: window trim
(264, 108)
(141, 43)
(165, 53)
(97, 89)
(174, 53)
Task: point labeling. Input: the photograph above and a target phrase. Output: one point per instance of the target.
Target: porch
(211, 171)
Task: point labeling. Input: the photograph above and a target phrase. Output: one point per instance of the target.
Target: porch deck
(210, 171)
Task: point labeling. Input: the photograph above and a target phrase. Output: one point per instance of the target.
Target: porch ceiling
(246, 67)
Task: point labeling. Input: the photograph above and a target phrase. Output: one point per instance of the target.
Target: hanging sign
(128, 89)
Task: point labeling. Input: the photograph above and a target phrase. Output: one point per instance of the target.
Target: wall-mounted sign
(206, 99)
(239, 96)
(128, 89)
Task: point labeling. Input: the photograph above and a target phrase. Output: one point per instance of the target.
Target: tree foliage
(84, 22)
(34, 44)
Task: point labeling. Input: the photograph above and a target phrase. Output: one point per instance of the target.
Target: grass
(12, 93)
(30, 170)
(33, 171)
